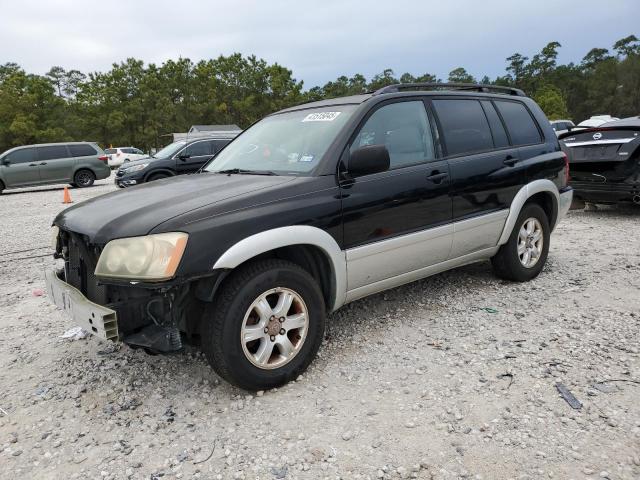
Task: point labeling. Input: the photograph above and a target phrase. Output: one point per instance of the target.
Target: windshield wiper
(236, 171)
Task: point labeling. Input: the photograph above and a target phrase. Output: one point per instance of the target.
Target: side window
(24, 155)
(500, 138)
(219, 145)
(199, 149)
(52, 152)
(522, 128)
(81, 150)
(464, 126)
(403, 128)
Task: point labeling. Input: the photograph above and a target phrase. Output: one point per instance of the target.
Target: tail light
(104, 158)
(566, 169)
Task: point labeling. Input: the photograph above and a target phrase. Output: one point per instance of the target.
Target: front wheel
(156, 176)
(266, 325)
(525, 253)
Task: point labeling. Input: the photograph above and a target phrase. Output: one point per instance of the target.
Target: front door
(191, 158)
(21, 168)
(397, 221)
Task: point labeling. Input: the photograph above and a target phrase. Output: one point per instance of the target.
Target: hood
(139, 161)
(137, 210)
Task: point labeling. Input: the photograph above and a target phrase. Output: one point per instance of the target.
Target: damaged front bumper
(95, 319)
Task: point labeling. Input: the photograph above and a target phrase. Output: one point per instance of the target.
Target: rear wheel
(525, 253)
(266, 325)
(83, 178)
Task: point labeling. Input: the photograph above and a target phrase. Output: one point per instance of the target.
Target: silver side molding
(254, 245)
(414, 275)
(520, 199)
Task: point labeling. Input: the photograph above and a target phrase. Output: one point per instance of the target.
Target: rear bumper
(605, 192)
(95, 319)
(566, 197)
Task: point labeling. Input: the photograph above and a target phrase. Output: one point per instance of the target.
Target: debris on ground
(568, 396)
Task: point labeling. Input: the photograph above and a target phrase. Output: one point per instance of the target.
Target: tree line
(141, 105)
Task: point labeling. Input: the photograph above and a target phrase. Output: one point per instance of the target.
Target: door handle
(43, 163)
(33, 164)
(437, 177)
(510, 160)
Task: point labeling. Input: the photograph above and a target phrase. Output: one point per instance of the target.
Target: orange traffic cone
(66, 198)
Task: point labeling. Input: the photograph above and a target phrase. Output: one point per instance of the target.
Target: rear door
(485, 171)
(56, 163)
(21, 168)
(397, 221)
(196, 154)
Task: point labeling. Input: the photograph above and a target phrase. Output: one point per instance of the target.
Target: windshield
(286, 143)
(170, 149)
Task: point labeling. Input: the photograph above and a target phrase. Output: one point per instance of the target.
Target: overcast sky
(317, 40)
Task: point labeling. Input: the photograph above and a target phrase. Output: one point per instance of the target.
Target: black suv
(183, 156)
(311, 208)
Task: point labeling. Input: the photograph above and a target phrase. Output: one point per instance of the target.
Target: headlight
(135, 168)
(152, 257)
(54, 237)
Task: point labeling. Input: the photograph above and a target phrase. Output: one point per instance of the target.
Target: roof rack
(450, 86)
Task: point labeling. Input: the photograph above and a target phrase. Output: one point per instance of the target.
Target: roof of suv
(406, 89)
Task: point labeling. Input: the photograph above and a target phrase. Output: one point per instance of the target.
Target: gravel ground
(451, 377)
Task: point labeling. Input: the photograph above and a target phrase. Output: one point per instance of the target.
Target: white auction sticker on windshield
(321, 117)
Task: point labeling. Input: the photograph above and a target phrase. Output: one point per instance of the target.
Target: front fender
(262, 242)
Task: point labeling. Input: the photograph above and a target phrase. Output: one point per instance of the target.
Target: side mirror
(183, 156)
(368, 160)
(5, 161)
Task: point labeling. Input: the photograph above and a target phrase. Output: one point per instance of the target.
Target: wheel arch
(168, 171)
(543, 192)
(310, 247)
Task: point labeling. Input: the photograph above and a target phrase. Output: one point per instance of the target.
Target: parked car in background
(119, 155)
(311, 208)
(184, 156)
(605, 161)
(597, 120)
(562, 126)
(77, 163)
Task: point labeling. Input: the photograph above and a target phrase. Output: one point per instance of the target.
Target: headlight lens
(54, 237)
(136, 168)
(152, 258)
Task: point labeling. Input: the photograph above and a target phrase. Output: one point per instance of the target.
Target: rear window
(520, 124)
(82, 150)
(500, 138)
(52, 152)
(220, 144)
(199, 149)
(464, 126)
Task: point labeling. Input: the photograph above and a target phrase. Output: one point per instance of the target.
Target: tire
(83, 178)
(157, 176)
(2, 187)
(508, 263)
(224, 321)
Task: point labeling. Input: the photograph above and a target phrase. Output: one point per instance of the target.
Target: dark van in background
(177, 158)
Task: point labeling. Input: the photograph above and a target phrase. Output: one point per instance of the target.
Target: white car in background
(597, 120)
(561, 126)
(119, 155)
